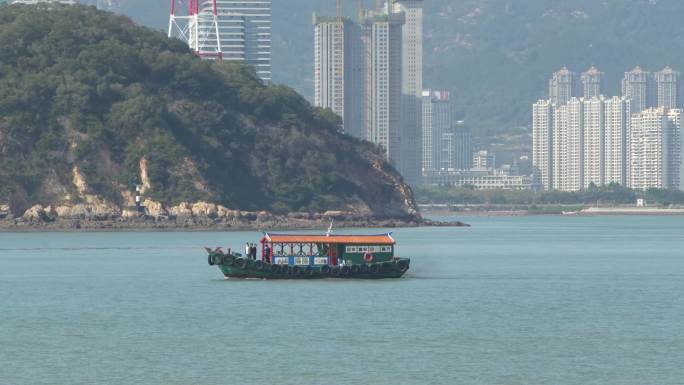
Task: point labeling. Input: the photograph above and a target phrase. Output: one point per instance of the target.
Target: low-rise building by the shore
(480, 179)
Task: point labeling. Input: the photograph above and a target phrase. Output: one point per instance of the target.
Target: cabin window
(320, 261)
(301, 260)
(281, 260)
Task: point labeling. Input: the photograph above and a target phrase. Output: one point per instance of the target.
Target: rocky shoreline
(192, 217)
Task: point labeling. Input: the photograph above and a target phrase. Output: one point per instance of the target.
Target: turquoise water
(526, 300)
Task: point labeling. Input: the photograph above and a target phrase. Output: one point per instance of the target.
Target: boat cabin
(334, 250)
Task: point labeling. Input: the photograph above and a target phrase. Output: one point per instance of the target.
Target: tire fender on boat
(241, 263)
(402, 266)
(210, 259)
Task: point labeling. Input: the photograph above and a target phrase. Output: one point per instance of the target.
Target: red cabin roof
(383, 239)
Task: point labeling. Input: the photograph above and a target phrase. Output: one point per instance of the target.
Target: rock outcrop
(197, 215)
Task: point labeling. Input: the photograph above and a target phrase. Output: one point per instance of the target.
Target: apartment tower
(655, 149)
(338, 70)
(542, 130)
(616, 123)
(382, 44)
(667, 86)
(592, 83)
(638, 86)
(411, 87)
(563, 85)
(438, 140)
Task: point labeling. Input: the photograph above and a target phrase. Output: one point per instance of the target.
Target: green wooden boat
(302, 256)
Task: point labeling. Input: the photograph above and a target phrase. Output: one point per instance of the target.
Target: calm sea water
(527, 300)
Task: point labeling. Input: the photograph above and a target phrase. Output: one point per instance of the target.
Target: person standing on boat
(254, 251)
(267, 254)
(247, 250)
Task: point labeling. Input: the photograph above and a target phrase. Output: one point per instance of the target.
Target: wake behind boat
(306, 256)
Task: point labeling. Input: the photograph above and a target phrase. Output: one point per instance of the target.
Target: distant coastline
(566, 210)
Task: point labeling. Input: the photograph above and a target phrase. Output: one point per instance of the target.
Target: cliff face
(92, 105)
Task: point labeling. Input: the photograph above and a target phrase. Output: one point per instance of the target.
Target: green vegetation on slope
(80, 87)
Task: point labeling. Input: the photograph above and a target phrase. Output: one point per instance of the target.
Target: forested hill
(92, 104)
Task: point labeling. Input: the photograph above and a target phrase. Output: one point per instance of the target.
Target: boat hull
(232, 267)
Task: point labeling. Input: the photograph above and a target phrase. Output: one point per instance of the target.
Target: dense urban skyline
(584, 140)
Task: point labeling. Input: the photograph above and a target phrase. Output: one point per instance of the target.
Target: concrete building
(542, 131)
(674, 165)
(593, 142)
(463, 147)
(638, 85)
(568, 146)
(667, 86)
(338, 70)
(484, 160)
(231, 30)
(574, 147)
(438, 141)
(563, 85)
(480, 180)
(592, 83)
(589, 142)
(616, 123)
(411, 87)
(382, 41)
(559, 146)
(655, 149)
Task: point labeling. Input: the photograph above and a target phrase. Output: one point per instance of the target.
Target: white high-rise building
(542, 131)
(593, 138)
(329, 64)
(559, 147)
(674, 165)
(338, 71)
(231, 30)
(411, 87)
(667, 86)
(573, 179)
(563, 85)
(655, 149)
(382, 40)
(616, 124)
(589, 142)
(638, 85)
(438, 140)
(568, 145)
(592, 83)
